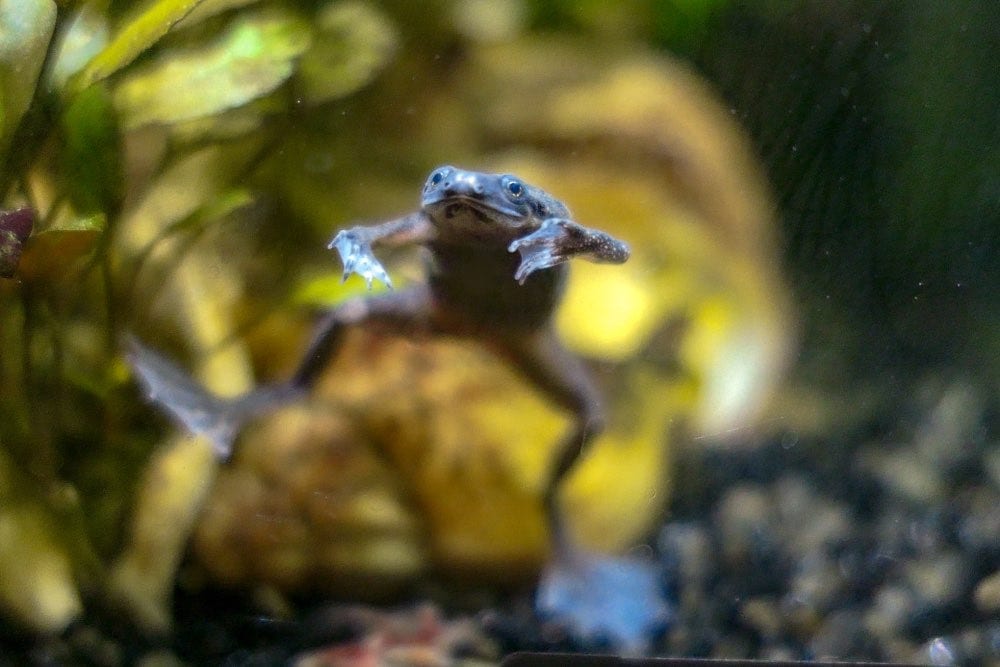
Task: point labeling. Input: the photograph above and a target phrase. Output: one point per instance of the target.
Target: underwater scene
(381, 332)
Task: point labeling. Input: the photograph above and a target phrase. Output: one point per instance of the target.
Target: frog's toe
(357, 257)
(537, 253)
(525, 269)
(346, 245)
(534, 259)
(191, 405)
(600, 599)
(370, 269)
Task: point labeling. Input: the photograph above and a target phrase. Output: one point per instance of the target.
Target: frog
(496, 266)
(497, 250)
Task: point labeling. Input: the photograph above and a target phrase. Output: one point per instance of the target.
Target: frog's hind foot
(608, 602)
(196, 409)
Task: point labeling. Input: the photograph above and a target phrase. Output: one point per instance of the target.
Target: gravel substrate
(884, 545)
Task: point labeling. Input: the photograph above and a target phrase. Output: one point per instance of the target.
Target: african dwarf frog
(497, 257)
(475, 225)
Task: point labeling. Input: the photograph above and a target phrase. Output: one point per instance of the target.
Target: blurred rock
(939, 579)
(886, 618)
(309, 505)
(841, 636)
(987, 594)
(38, 588)
(979, 527)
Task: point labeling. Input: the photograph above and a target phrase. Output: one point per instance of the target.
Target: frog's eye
(515, 188)
(436, 177)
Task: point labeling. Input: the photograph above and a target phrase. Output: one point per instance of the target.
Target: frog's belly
(478, 286)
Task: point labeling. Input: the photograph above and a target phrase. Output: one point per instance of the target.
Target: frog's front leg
(355, 244)
(558, 240)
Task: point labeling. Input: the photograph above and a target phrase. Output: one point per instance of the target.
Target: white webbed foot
(357, 257)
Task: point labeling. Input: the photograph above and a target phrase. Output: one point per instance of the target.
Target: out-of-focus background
(800, 359)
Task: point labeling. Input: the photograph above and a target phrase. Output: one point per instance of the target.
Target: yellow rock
(37, 586)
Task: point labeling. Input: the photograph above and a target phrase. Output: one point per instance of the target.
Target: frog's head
(466, 199)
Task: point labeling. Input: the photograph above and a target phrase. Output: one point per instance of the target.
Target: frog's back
(476, 282)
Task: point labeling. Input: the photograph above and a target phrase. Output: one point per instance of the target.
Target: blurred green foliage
(117, 127)
(91, 154)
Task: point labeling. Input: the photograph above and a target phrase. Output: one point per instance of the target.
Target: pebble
(937, 580)
(979, 525)
(744, 522)
(991, 464)
(905, 476)
(688, 552)
(763, 615)
(841, 636)
(816, 583)
(887, 615)
(807, 521)
(987, 594)
(938, 651)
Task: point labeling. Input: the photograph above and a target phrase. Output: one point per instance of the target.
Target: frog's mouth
(457, 205)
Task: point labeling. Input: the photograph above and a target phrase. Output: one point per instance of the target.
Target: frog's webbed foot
(559, 239)
(194, 407)
(614, 601)
(543, 248)
(357, 257)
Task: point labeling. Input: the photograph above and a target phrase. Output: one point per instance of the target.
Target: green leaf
(135, 37)
(25, 30)
(249, 60)
(92, 153)
(85, 34)
(353, 42)
(183, 188)
(328, 289)
(215, 209)
(219, 207)
(37, 589)
(52, 254)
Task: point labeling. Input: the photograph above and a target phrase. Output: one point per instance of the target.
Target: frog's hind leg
(399, 312)
(194, 407)
(599, 599)
(220, 419)
(565, 378)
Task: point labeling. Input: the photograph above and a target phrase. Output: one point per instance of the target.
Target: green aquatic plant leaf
(353, 42)
(250, 59)
(144, 30)
(216, 208)
(328, 289)
(38, 588)
(92, 152)
(86, 33)
(209, 8)
(52, 254)
(25, 30)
